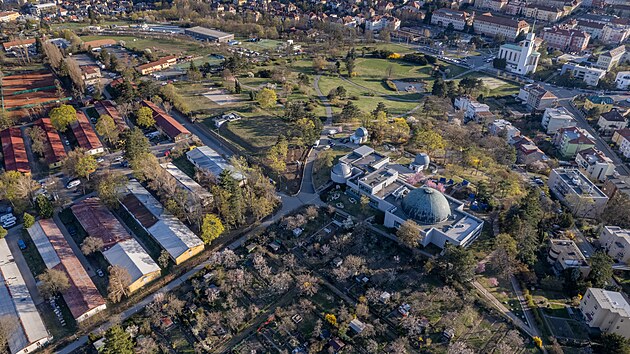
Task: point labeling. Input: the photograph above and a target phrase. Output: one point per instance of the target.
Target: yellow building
(132, 257)
(602, 102)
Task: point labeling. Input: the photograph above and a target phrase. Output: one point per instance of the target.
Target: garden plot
(221, 97)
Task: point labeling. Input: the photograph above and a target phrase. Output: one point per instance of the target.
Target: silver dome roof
(342, 169)
(361, 132)
(426, 205)
(422, 159)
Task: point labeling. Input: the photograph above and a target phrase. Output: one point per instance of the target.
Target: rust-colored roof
(82, 296)
(14, 151)
(18, 42)
(99, 222)
(158, 62)
(109, 108)
(85, 134)
(168, 124)
(54, 149)
(139, 211)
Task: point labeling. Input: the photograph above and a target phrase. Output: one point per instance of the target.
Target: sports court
(28, 90)
(492, 82)
(221, 98)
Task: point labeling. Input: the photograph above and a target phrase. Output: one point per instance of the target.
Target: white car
(73, 184)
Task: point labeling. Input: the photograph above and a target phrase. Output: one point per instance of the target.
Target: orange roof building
(167, 124)
(86, 136)
(14, 151)
(109, 108)
(99, 222)
(55, 153)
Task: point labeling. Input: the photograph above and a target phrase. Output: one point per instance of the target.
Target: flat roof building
(17, 305)
(197, 195)
(565, 254)
(207, 34)
(616, 242)
(208, 160)
(576, 191)
(86, 136)
(82, 297)
(607, 310)
(167, 230)
(130, 255)
(14, 151)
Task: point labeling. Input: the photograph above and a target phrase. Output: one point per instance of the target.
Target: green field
(176, 46)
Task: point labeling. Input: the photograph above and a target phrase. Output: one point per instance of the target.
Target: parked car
(21, 244)
(73, 183)
(100, 273)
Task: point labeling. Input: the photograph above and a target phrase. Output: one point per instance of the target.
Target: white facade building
(616, 242)
(594, 164)
(607, 310)
(499, 126)
(520, 59)
(576, 191)
(557, 118)
(589, 75)
(623, 80)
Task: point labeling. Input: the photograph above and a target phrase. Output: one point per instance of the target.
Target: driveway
(75, 248)
(15, 233)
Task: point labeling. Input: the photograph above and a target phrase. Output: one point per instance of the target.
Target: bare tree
(53, 282)
(119, 280)
(38, 138)
(307, 284)
(91, 245)
(146, 345)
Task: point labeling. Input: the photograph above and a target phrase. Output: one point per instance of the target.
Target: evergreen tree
(117, 341)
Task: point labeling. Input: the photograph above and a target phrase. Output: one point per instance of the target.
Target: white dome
(422, 159)
(361, 132)
(340, 173)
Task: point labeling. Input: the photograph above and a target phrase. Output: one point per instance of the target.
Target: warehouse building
(120, 248)
(82, 297)
(17, 306)
(168, 231)
(197, 195)
(208, 160)
(207, 34)
(130, 255)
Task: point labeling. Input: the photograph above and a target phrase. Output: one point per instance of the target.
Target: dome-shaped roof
(342, 169)
(426, 205)
(422, 159)
(360, 132)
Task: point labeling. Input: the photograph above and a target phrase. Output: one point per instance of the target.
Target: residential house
(493, 26)
(445, 17)
(569, 141)
(473, 110)
(557, 118)
(501, 127)
(616, 241)
(576, 191)
(594, 164)
(621, 137)
(527, 152)
(568, 40)
(492, 5)
(378, 23)
(611, 121)
(22, 44)
(520, 59)
(107, 107)
(565, 254)
(91, 74)
(14, 151)
(615, 184)
(542, 12)
(623, 80)
(8, 16)
(607, 310)
(130, 255)
(536, 98)
(590, 75)
(167, 124)
(615, 33)
(611, 58)
(603, 103)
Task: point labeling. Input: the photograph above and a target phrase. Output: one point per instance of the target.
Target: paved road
(15, 233)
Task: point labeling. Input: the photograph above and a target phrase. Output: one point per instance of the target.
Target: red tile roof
(109, 108)
(99, 222)
(168, 124)
(82, 296)
(54, 149)
(18, 43)
(85, 134)
(14, 151)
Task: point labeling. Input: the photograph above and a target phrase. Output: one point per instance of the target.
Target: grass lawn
(368, 103)
(372, 72)
(183, 164)
(321, 174)
(201, 105)
(496, 87)
(152, 247)
(159, 45)
(454, 70)
(33, 258)
(262, 45)
(256, 132)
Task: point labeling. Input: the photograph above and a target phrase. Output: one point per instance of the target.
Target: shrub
(394, 56)
(391, 85)
(538, 342)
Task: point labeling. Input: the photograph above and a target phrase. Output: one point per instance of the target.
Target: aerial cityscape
(248, 177)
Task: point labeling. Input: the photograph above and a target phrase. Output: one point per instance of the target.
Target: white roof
(207, 159)
(43, 245)
(16, 302)
(169, 231)
(186, 182)
(131, 256)
(612, 300)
